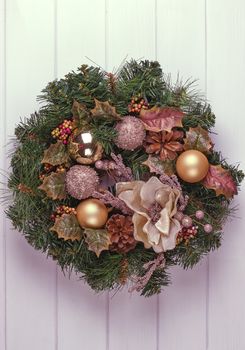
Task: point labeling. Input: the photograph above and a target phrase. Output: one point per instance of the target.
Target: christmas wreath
(117, 179)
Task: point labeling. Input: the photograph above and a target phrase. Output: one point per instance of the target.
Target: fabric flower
(140, 196)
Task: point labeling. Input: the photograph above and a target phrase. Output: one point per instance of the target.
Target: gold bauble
(92, 213)
(192, 166)
(83, 148)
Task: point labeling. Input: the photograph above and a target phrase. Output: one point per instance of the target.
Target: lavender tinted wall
(43, 39)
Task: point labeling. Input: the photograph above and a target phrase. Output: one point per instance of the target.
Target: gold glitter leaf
(67, 227)
(80, 114)
(97, 239)
(105, 110)
(199, 139)
(54, 186)
(56, 154)
(160, 166)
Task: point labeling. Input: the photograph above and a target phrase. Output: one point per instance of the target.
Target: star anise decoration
(165, 144)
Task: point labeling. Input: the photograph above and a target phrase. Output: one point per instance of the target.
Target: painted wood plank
(181, 49)
(82, 314)
(30, 277)
(2, 177)
(225, 87)
(131, 32)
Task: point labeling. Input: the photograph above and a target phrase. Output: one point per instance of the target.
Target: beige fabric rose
(140, 196)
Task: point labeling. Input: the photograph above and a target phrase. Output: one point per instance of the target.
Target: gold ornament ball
(92, 213)
(192, 166)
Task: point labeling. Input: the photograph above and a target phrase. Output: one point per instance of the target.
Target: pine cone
(165, 144)
(121, 230)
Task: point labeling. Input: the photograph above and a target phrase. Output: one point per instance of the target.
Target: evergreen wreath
(116, 177)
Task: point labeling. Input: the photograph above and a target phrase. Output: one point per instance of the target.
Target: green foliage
(30, 210)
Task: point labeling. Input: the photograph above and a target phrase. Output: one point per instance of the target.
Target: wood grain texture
(181, 49)
(226, 79)
(82, 315)
(30, 278)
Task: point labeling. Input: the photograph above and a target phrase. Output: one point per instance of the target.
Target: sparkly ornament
(192, 166)
(136, 104)
(92, 213)
(131, 133)
(83, 149)
(63, 131)
(199, 214)
(208, 228)
(186, 221)
(81, 181)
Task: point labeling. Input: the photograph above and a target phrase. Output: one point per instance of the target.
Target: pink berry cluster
(186, 234)
(105, 165)
(63, 131)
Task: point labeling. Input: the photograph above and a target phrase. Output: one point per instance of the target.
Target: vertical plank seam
(107, 302)
(157, 297)
(5, 169)
(208, 262)
(56, 307)
(156, 34)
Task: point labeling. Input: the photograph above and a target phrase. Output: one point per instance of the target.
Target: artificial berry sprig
(186, 234)
(48, 168)
(62, 209)
(63, 131)
(137, 103)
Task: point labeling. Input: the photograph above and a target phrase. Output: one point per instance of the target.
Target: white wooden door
(44, 39)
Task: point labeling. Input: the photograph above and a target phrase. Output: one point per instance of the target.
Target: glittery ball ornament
(81, 181)
(130, 133)
(208, 228)
(186, 221)
(199, 214)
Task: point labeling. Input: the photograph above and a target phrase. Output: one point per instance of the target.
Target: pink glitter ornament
(81, 181)
(131, 133)
(186, 221)
(199, 214)
(208, 228)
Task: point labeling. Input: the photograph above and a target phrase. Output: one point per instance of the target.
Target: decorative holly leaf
(80, 114)
(161, 118)
(160, 166)
(97, 240)
(56, 154)
(54, 186)
(105, 110)
(199, 139)
(220, 180)
(67, 227)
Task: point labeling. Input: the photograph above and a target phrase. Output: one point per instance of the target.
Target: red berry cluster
(62, 209)
(63, 131)
(137, 103)
(186, 234)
